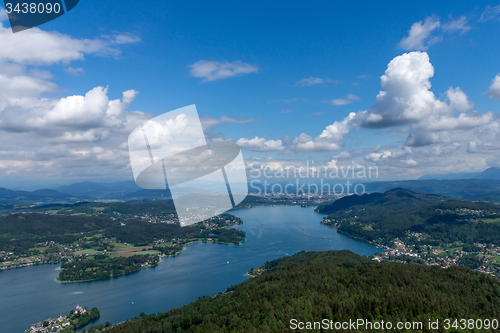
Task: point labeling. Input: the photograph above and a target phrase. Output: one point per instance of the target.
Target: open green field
(87, 251)
(491, 220)
(129, 254)
(121, 246)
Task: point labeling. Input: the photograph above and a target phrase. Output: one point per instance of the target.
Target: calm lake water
(30, 294)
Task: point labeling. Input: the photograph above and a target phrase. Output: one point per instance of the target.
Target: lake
(31, 294)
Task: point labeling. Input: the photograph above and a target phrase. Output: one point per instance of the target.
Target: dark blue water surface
(31, 294)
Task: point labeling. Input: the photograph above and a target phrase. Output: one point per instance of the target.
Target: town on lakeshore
(77, 318)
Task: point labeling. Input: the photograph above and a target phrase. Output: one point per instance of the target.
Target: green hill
(385, 217)
(337, 286)
(393, 199)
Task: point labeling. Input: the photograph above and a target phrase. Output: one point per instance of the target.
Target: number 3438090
(33, 8)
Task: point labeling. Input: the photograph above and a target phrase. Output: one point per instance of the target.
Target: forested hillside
(336, 285)
(394, 199)
(385, 217)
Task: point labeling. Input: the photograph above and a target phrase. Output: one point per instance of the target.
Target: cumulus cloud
(260, 144)
(406, 97)
(494, 90)
(76, 136)
(329, 140)
(458, 100)
(75, 118)
(215, 70)
(344, 101)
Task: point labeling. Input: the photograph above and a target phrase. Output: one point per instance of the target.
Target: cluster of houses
(53, 325)
(438, 256)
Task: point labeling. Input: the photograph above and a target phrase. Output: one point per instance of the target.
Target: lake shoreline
(201, 270)
(149, 266)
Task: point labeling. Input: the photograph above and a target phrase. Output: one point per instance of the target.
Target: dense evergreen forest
(336, 285)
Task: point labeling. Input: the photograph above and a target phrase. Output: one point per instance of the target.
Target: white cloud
(341, 101)
(38, 47)
(458, 100)
(75, 118)
(74, 71)
(126, 38)
(459, 24)
(423, 34)
(343, 155)
(419, 36)
(490, 13)
(436, 129)
(311, 81)
(46, 137)
(387, 154)
(329, 140)
(406, 97)
(410, 162)
(344, 101)
(494, 90)
(55, 139)
(214, 70)
(260, 144)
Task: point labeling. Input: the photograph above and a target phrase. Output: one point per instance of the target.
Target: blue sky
(282, 69)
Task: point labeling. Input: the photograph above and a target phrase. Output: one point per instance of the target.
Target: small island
(77, 318)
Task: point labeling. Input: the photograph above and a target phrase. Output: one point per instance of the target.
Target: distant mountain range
(460, 188)
(45, 196)
(84, 191)
(490, 173)
(99, 189)
(484, 186)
